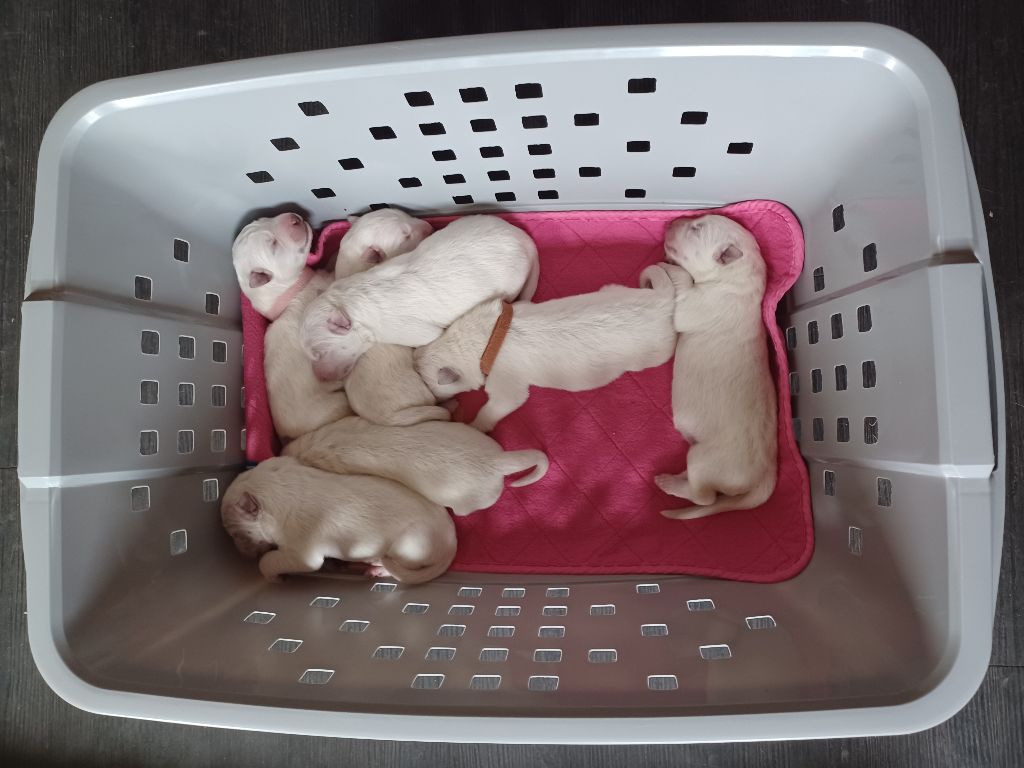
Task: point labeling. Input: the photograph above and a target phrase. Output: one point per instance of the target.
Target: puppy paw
(377, 572)
(671, 484)
(651, 276)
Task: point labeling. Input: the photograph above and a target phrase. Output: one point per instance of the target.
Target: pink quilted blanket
(596, 510)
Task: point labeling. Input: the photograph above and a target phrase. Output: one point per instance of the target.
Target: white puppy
(269, 256)
(723, 394)
(292, 517)
(412, 298)
(384, 388)
(378, 236)
(574, 343)
(450, 464)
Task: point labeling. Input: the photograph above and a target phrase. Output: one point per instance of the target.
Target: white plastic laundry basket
(131, 422)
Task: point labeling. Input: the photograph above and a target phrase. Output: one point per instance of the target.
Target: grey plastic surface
(139, 607)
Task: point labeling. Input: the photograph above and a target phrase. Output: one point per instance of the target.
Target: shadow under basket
(138, 605)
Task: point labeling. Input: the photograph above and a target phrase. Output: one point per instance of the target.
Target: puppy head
(269, 255)
(446, 369)
(244, 516)
(714, 249)
(332, 339)
(378, 236)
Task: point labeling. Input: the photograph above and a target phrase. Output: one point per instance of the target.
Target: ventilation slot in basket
(440, 654)
(662, 682)
(428, 682)
(485, 682)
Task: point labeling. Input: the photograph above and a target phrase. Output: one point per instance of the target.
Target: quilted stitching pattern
(596, 511)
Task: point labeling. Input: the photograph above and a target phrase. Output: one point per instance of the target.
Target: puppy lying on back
(292, 517)
(378, 236)
(723, 394)
(384, 388)
(412, 298)
(451, 464)
(574, 343)
(269, 256)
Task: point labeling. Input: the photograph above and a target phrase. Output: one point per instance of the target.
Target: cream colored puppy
(292, 517)
(269, 257)
(574, 343)
(412, 298)
(384, 388)
(723, 394)
(378, 236)
(450, 464)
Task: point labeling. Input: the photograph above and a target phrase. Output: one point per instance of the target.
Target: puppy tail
(517, 461)
(752, 498)
(407, 417)
(530, 287)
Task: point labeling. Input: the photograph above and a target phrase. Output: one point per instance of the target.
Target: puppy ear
(249, 505)
(448, 375)
(373, 255)
(259, 277)
(339, 322)
(730, 254)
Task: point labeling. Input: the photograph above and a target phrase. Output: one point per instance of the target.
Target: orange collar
(498, 334)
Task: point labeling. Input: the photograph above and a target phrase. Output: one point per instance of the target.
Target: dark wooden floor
(49, 50)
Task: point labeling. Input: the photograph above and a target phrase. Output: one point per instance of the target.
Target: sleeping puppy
(450, 464)
(723, 394)
(292, 517)
(574, 343)
(376, 237)
(384, 388)
(412, 298)
(269, 256)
